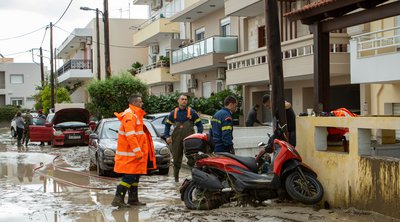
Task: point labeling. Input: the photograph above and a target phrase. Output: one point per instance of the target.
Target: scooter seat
(249, 162)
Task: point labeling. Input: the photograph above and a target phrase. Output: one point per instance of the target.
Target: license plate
(74, 137)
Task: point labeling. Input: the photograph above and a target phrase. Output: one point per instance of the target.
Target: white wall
(26, 90)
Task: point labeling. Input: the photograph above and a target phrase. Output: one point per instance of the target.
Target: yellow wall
(350, 180)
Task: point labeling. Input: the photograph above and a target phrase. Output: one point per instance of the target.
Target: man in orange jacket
(135, 152)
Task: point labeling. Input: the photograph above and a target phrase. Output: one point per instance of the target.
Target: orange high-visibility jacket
(135, 145)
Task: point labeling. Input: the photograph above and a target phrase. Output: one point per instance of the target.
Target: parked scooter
(223, 177)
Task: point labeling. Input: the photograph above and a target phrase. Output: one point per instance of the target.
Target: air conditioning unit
(156, 4)
(221, 75)
(82, 45)
(192, 83)
(155, 49)
(89, 40)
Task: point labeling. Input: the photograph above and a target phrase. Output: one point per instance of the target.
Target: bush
(8, 112)
(112, 95)
(209, 106)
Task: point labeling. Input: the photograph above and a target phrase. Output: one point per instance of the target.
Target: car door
(39, 131)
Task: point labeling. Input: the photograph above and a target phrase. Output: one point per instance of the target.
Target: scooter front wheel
(196, 198)
(307, 189)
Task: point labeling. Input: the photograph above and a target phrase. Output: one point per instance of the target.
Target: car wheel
(13, 133)
(100, 171)
(92, 166)
(163, 171)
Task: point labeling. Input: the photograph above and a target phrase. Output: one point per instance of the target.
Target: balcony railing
(148, 67)
(378, 42)
(290, 50)
(215, 44)
(75, 64)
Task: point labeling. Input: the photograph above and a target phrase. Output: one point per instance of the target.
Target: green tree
(43, 98)
(111, 95)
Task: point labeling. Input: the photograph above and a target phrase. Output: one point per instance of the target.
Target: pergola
(325, 16)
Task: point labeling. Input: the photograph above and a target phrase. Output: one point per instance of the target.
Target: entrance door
(206, 89)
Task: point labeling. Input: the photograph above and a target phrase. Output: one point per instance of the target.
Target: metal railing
(75, 64)
(379, 42)
(290, 50)
(214, 44)
(151, 66)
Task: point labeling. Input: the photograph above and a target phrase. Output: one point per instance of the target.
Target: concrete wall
(245, 139)
(355, 178)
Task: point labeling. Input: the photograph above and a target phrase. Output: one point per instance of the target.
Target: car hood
(112, 143)
(71, 115)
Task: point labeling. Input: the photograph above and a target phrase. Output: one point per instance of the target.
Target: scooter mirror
(261, 144)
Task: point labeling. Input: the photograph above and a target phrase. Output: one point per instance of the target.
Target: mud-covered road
(54, 184)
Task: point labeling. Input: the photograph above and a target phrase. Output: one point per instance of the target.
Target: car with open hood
(68, 127)
(103, 144)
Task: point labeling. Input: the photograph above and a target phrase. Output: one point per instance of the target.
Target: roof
(325, 9)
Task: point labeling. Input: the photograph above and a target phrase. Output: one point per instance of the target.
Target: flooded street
(54, 184)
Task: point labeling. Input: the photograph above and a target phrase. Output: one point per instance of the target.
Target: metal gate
(396, 111)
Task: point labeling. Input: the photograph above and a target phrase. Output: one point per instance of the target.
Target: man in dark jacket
(183, 118)
(222, 126)
(252, 116)
(290, 117)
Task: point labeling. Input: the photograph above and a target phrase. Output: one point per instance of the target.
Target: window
(225, 27)
(16, 78)
(220, 86)
(17, 101)
(261, 36)
(200, 33)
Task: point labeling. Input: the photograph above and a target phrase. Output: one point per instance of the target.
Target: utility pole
(41, 67)
(51, 67)
(275, 62)
(98, 44)
(107, 40)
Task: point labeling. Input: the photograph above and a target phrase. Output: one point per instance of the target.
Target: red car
(68, 127)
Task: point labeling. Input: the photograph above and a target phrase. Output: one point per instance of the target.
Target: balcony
(75, 70)
(198, 10)
(78, 39)
(375, 56)
(203, 55)
(154, 30)
(297, 60)
(248, 8)
(156, 73)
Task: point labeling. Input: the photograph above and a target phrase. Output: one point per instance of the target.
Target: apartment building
(249, 67)
(375, 65)
(159, 35)
(79, 54)
(18, 82)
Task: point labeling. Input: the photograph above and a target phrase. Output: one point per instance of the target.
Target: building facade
(18, 82)
(79, 55)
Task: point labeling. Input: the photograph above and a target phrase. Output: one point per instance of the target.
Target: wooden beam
(275, 62)
(321, 69)
(381, 12)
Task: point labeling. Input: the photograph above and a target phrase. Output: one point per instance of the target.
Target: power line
(19, 36)
(44, 36)
(65, 11)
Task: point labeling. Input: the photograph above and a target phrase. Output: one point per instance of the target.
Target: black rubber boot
(133, 198)
(118, 200)
(176, 174)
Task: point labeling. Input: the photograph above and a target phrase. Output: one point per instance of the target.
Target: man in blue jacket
(222, 126)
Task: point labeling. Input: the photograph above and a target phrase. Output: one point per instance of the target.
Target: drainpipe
(377, 98)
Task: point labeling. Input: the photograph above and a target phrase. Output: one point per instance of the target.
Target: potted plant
(135, 67)
(165, 60)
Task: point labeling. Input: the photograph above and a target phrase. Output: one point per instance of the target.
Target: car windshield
(50, 117)
(37, 121)
(110, 129)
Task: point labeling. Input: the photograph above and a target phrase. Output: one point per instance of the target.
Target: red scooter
(223, 177)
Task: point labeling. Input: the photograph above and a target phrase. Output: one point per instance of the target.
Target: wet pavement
(54, 184)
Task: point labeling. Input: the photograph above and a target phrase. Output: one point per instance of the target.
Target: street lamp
(106, 42)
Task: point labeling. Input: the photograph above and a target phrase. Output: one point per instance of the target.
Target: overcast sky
(18, 18)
